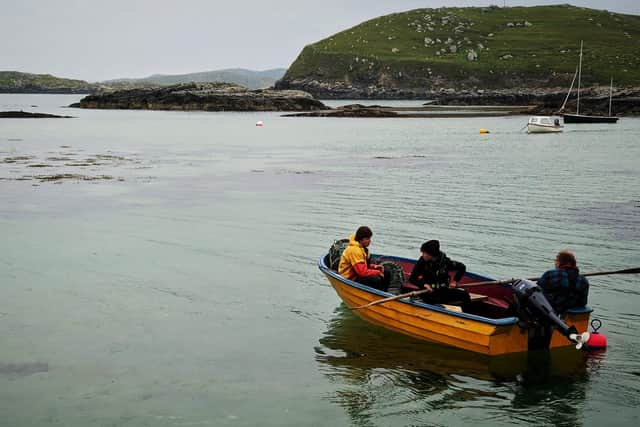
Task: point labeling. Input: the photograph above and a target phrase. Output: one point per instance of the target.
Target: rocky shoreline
(425, 111)
(203, 97)
(593, 100)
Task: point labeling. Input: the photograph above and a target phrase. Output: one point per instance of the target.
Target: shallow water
(167, 276)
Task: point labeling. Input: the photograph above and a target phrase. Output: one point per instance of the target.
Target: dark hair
(566, 258)
(363, 232)
(432, 247)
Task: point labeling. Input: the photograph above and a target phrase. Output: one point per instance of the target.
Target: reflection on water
(387, 375)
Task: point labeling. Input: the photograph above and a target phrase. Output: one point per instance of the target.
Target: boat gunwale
(505, 321)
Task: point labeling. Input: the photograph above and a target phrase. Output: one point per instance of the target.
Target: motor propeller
(580, 339)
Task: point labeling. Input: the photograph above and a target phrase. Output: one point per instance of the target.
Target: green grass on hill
(14, 80)
(536, 44)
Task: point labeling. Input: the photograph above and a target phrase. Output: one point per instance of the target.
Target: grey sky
(98, 40)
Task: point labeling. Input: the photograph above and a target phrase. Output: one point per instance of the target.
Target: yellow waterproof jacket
(355, 254)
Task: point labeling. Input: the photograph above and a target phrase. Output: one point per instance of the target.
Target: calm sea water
(159, 268)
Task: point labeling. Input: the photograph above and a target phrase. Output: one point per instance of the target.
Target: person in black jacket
(431, 272)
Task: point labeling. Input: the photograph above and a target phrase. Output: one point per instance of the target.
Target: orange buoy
(483, 130)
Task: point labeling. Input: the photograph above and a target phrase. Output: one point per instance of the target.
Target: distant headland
(18, 82)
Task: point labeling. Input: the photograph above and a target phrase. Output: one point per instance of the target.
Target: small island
(203, 97)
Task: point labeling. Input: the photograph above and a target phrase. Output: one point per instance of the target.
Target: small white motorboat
(543, 124)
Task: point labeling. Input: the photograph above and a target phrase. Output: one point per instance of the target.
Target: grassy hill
(247, 78)
(17, 82)
(489, 47)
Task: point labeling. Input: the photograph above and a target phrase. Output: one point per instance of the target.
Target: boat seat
(456, 305)
(478, 297)
(473, 297)
(452, 307)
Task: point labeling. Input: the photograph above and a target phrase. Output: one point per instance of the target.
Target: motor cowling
(532, 301)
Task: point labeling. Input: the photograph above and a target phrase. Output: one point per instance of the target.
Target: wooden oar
(423, 291)
(597, 273)
(626, 271)
(393, 298)
(491, 282)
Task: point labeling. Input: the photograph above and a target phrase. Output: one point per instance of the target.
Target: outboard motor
(535, 310)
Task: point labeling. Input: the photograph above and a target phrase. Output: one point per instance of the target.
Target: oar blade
(629, 271)
(605, 273)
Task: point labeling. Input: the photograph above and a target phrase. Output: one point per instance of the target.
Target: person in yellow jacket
(355, 262)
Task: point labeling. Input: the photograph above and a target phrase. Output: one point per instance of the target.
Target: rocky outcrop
(205, 97)
(353, 110)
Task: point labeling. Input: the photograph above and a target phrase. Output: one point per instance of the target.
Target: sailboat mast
(566, 98)
(610, 95)
(579, 76)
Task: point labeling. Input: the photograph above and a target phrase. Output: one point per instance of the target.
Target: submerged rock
(205, 97)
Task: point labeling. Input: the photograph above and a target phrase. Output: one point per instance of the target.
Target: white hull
(534, 128)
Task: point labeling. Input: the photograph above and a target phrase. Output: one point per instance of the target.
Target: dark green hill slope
(426, 50)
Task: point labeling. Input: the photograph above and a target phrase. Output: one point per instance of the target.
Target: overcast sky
(99, 40)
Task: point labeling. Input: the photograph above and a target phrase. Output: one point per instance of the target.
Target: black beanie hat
(432, 247)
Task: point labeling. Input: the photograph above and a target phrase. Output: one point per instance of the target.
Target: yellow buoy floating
(483, 130)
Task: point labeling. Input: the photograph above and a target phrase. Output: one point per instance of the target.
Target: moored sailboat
(584, 118)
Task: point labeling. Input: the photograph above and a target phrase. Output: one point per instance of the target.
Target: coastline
(440, 103)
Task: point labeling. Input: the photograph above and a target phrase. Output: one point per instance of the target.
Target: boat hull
(531, 128)
(579, 118)
(478, 334)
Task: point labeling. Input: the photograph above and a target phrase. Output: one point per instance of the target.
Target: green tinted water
(181, 287)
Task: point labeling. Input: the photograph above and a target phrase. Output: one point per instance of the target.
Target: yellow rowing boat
(488, 326)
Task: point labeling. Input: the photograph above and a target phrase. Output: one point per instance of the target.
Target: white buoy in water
(259, 123)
